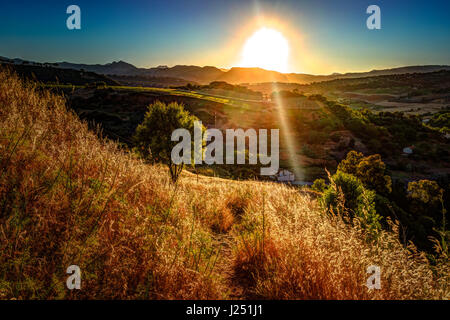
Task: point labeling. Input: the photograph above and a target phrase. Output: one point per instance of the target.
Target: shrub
(347, 195)
(426, 191)
(427, 201)
(319, 185)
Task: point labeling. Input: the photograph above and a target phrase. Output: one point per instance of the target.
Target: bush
(347, 195)
(319, 185)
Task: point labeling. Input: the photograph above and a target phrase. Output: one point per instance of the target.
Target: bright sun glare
(267, 49)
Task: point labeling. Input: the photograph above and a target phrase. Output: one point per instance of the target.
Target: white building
(408, 150)
(285, 175)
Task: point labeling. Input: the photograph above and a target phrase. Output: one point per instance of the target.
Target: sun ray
(286, 134)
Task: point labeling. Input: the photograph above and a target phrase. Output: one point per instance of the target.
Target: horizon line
(235, 67)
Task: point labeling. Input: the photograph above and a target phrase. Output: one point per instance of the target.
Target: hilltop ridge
(234, 75)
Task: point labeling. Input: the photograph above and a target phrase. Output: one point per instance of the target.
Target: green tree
(153, 136)
(427, 201)
(370, 170)
(350, 163)
(425, 191)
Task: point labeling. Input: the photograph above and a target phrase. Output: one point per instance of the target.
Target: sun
(266, 48)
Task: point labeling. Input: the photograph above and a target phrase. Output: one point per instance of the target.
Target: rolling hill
(69, 197)
(117, 68)
(235, 75)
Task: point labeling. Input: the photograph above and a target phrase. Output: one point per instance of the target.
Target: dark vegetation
(441, 120)
(285, 94)
(120, 111)
(51, 75)
(368, 193)
(388, 133)
(224, 88)
(383, 136)
(415, 93)
(150, 81)
(415, 83)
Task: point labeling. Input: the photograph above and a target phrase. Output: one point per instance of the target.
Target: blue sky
(334, 37)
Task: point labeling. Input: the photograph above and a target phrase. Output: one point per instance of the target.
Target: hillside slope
(117, 68)
(70, 198)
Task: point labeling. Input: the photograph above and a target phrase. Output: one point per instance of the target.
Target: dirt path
(224, 268)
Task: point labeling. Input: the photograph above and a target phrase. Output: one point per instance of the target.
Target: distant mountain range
(205, 75)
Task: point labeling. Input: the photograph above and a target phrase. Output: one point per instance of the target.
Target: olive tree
(153, 136)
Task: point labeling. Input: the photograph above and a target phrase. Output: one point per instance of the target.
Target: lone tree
(153, 136)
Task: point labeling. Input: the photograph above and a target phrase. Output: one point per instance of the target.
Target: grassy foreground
(70, 198)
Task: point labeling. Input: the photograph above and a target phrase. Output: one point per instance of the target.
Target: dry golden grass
(223, 220)
(68, 197)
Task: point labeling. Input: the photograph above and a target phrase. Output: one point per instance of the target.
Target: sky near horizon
(323, 36)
